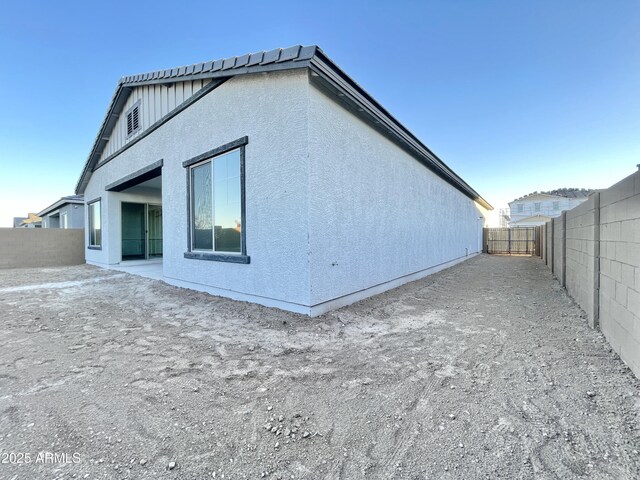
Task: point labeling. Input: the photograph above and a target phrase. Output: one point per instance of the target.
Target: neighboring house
(32, 221)
(272, 178)
(539, 207)
(17, 221)
(68, 212)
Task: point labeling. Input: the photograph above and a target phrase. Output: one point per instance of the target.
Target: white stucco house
(273, 178)
(539, 207)
(68, 212)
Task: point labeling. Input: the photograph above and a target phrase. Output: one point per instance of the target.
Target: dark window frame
(89, 204)
(209, 156)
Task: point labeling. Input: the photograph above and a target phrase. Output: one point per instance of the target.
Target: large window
(536, 206)
(95, 225)
(216, 210)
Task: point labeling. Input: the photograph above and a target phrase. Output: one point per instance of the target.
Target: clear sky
(515, 96)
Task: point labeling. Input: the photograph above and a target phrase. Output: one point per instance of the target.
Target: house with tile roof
(272, 177)
(537, 208)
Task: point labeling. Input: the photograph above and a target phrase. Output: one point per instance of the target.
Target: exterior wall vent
(133, 119)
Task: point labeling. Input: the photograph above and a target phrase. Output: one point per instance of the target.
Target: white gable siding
(156, 101)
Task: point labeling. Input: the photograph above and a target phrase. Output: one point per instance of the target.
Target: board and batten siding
(156, 101)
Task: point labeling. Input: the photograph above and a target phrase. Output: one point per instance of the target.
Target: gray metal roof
(325, 73)
(76, 199)
(226, 67)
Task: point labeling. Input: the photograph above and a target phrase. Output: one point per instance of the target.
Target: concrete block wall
(558, 248)
(600, 262)
(41, 247)
(549, 242)
(620, 268)
(581, 256)
(544, 251)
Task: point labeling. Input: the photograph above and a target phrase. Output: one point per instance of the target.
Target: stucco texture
(272, 111)
(75, 216)
(40, 247)
(376, 213)
(333, 208)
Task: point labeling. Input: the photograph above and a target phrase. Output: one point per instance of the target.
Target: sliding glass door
(154, 228)
(141, 231)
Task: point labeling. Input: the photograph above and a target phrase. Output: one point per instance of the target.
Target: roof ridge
(310, 57)
(277, 55)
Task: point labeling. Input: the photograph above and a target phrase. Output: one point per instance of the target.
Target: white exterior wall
(378, 217)
(546, 208)
(49, 221)
(75, 217)
(334, 211)
(272, 111)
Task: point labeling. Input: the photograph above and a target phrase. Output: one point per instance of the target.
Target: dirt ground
(485, 370)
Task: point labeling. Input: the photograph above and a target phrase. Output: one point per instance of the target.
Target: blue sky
(515, 96)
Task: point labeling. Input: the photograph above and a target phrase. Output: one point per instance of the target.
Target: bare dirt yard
(485, 370)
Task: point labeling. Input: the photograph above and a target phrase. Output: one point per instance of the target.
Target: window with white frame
(216, 204)
(63, 220)
(536, 206)
(520, 208)
(95, 224)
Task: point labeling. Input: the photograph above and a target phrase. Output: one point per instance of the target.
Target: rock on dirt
(373, 380)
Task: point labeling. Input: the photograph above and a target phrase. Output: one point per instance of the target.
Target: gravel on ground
(485, 370)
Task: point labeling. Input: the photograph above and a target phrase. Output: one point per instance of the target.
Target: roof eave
(60, 203)
(322, 65)
(286, 59)
(297, 57)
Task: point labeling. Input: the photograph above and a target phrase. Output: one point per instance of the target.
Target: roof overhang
(136, 178)
(60, 203)
(534, 196)
(325, 74)
(533, 218)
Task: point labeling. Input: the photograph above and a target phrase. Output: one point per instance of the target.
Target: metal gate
(510, 241)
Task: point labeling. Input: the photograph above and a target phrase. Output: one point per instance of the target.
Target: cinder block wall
(581, 255)
(558, 250)
(549, 240)
(602, 255)
(41, 247)
(620, 268)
